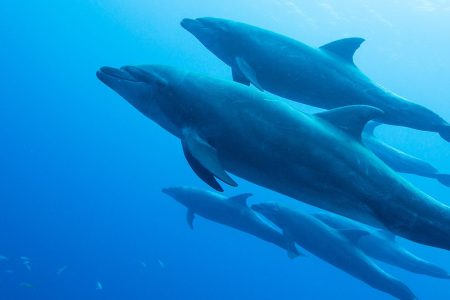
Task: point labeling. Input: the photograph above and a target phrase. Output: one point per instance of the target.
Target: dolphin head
(271, 210)
(179, 194)
(148, 89)
(218, 35)
(188, 196)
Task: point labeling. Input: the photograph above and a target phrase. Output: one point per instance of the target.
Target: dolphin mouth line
(117, 74)
(191, 23)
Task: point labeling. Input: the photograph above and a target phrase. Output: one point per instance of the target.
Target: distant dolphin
(232, 212)
(333, 246)
(318, 159)
(382, 245)
(398, 160)
(324, 77)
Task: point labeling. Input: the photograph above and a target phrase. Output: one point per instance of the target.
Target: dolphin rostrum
(333, 246)
(383, 246)
(398, 160)
(230, 211)
(318, 159)
(324, 77)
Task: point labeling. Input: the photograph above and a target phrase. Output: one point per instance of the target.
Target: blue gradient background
(81, 170)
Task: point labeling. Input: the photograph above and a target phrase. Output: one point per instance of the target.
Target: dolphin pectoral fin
(190, 218)
(239, 77)
(351, 119)
(344, 48)
(443, 178)
(241, 199)
(291, 249)
(445, 132)
(353, 235)
(201, 172)
(204, 160)
(248, 72)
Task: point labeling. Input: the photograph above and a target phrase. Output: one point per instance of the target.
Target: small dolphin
(233, 212)
(382, 245)
(324, 77)
(161, 264)
(398, 160)
(318, 159)
(332, 246)
(61, 270)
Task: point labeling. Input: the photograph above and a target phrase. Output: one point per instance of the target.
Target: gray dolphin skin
(398, 160)
(318, 159)
(230, 211)
(382, 245)
(324, 77)
(332, 246)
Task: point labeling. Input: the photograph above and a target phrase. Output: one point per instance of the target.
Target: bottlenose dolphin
(382, 245)
(332, 246)
(398, 160)
(318, 159)
(233, 212)
(324, 77)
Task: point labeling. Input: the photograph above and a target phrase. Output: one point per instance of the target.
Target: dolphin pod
(318, 159)
(333, 246)
(399, 160)
(232, 211)
(382, 245)
(324, 77)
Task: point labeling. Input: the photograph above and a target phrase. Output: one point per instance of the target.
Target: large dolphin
(230, 211)
(398, 160)
(324, 77)
(318, 159)
(333, 246)
(383, 246)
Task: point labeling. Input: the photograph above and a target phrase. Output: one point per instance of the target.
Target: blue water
(81, 170)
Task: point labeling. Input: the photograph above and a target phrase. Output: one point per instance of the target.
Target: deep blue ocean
(82, 215)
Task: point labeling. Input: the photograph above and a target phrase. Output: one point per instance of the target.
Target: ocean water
(81, 212)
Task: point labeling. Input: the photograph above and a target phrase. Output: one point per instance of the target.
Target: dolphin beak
(191, 24)
(108, 74)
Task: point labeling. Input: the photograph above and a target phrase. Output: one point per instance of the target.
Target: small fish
(26, 285)
(143, 264)
(61, 270)
(99, 286)
(161, 264)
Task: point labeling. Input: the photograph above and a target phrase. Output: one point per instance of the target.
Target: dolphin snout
(105, 73)
(190, 24)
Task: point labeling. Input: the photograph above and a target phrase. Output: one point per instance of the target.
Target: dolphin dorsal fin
(190, 216)
(352, 119)
(241, 199)
(344, 48)
(204, 160)
(353, 235)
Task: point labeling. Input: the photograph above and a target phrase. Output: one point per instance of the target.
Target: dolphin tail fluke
(444, 132)
(444, 179)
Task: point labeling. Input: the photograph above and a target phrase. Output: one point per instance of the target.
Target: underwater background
(82, 215)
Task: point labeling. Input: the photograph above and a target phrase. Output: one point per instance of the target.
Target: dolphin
(398, 160)
(230, 211)
(382, 245)
(333, 246)
(324, 77)
(318, 159)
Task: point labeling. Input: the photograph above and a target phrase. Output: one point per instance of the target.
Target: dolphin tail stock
(443, 178)
(444, 132)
